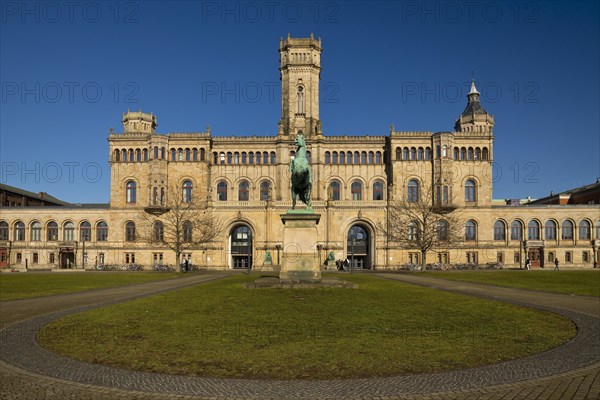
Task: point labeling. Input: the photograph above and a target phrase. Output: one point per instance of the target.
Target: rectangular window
(471, 257)
(35, 258)
(585, 257)
(158, 258)
(19, 258)
(443, 258)
(413, 258)
(551, 256)
(101, 258)
(517, 257)
(51, 258)
(568, 257)
(500, 257)
(129, 258)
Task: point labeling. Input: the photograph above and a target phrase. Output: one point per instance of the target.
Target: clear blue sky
(68, 71)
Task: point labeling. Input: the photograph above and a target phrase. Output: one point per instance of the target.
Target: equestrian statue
(301, 174)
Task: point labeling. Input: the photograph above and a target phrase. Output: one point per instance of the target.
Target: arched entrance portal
(358, 248)
(240, 244)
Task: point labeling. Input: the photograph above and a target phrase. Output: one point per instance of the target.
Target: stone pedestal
(300, 263)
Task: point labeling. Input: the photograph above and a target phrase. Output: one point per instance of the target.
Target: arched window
(470, 231)
(52, 231)
(251, 158)
(413, 231)
(202, 154)
(327, 157)
(378, 190)
(229, 158)
(412, 194)
(550, 230)
(102, 231)
(398, 154)
(533, 230)
(477, 153)
(117, 155)
(567, 230)
(413, 153)
(334, 191)
(162, 196)
(420, 153)
(463, 153)
(470, 153)
(158, 231)
(456, 153)
(484, 154)
(124, 155)
(163, 153)
(36, 231)
(243, 191)
(155, 196)
(356, 190)
(265, 188)
(85, 231)
(236, 157)
(442, 230)
(69, 232)
(145, 154)
(173, 155)
(187, 231)
(499, 230)
(3, 230)
(584, 230)
(130, 231)
(470, 191)
(222, 191)
(258, 157)
(131, 155)
(188, 155)
(342, 157)
(265, 157)
(363, 157)
(438, 151)
(356, 157)
(138, 155)
(244, 157)
(156, 152)
(444, 151)
(405, 153)
(427, 153)
(19, 233)
(371, 157)
(516, 230)
(187, 191)
(195, 154)
(180, 154)
(300, 100)
(334, 158)
(378, 159)
(131, 191)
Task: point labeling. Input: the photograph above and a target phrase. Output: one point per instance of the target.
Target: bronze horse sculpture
(301, 174)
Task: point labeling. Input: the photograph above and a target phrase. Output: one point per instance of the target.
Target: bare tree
(181, 223)
(416, 222)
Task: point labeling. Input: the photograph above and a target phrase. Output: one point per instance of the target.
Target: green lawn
(569, 282)
(382, 328)
(25, 285)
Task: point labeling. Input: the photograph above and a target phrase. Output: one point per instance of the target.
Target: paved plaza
(571, 371)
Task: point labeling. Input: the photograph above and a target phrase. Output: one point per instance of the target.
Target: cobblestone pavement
(571, 371)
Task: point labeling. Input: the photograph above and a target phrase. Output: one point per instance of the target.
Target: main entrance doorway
(3, 257)
(241, 247)
(67, 259)
(358, 248)
(536, 257)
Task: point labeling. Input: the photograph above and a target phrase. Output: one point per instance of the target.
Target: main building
(244, 181)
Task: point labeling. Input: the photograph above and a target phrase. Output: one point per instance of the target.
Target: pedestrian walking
(556, 264)
(527, 263)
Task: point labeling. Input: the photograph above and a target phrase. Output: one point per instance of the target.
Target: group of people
(528, 264)
(340, 265)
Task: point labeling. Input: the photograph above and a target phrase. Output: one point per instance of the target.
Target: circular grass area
(383, 328)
